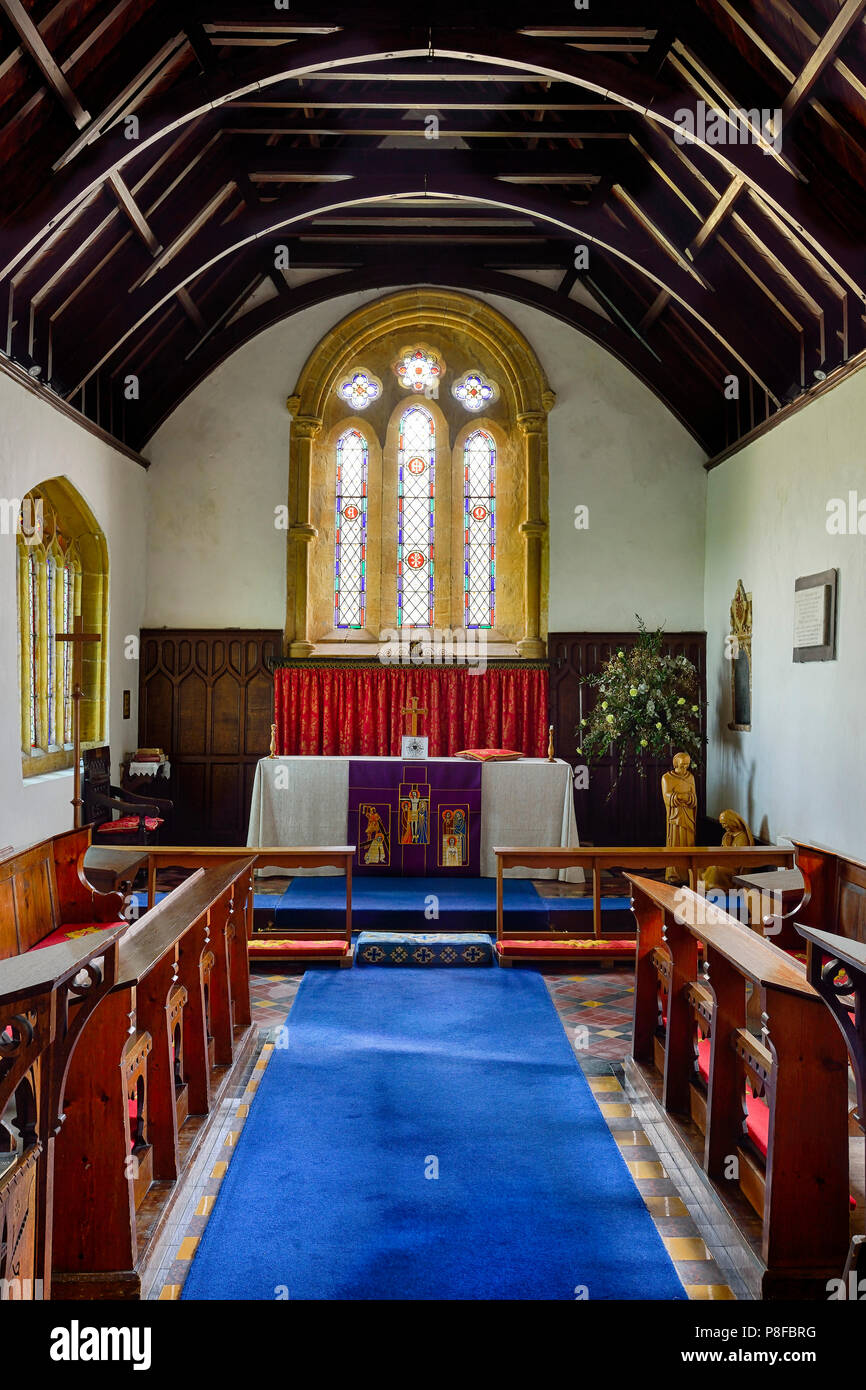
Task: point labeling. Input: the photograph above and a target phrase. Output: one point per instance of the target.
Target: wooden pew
(716, 1073)
(302, 948)
(152, 1064)
(44, 893)
(597, 858)
(835, 891)
(46, 998)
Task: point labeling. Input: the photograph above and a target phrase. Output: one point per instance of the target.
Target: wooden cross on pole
(77, 637)
(413, 709)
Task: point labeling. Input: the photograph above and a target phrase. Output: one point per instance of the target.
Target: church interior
(433, 543)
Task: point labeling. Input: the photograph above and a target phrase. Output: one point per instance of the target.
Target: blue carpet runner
(389, 1077)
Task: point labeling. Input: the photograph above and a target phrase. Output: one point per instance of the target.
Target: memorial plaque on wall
(815, 616)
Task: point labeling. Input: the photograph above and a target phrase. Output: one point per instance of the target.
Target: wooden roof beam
(673, 389)
(34, 44)
(717, 315)
(541, 62)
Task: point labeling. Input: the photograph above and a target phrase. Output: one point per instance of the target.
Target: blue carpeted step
(424, 948)
(410, 904)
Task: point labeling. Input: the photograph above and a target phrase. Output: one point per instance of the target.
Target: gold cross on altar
(77, 637)
(413, 709)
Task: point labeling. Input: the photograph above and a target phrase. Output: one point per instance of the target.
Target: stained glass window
(33, 647)
(416, 495)
(51, 648)
(479, 529)
(419, 370)
(474, 391)
(68, 612)
(360, 389)
(350, 533)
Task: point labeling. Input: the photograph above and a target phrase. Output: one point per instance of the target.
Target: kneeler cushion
(545, 947)
(333, 946)
(76, 929)
(758, 1116)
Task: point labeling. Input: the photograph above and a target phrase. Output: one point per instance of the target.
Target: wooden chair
(139, 818)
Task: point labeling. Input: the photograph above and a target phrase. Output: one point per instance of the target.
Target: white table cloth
(304, 801)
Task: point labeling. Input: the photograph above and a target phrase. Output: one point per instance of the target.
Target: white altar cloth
(304, 801)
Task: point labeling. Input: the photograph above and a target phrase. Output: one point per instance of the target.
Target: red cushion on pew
(704, 1060)
(75, 929)
(758, 1122)
(127, 823)
(291, 946)
(545, 947)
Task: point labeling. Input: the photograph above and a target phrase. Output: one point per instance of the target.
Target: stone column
(534, 528)
(301, 530)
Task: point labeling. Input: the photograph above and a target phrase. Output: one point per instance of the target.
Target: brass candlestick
(273, 752)
(550, 754)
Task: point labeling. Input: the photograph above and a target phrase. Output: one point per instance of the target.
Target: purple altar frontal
(415, 818)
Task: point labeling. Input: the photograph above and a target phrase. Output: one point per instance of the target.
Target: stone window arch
(468, 336)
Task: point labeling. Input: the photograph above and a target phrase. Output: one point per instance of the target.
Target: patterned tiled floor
(595, 1008)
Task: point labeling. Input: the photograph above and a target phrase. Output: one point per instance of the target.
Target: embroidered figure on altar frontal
(414, 813)
(375, 834)
(452, 838)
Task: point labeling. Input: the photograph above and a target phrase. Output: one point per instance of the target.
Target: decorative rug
(427, 1135)
(409, 904)
(423, 948)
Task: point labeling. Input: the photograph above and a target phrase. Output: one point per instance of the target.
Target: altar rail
(276, 856)
(791, 1157)
(596, 858)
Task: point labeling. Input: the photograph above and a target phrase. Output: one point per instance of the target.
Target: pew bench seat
(74, 930)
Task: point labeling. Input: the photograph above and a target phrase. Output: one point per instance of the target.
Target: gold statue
(737, 833)
(681, 806)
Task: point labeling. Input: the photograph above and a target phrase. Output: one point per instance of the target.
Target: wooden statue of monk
(681, 805)
(736, 833)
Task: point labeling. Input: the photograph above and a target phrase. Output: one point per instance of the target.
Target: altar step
(424, 948)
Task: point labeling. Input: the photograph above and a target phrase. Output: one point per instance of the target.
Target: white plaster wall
(37, 442)
(614, 448)
(219, 468)
(801, 771)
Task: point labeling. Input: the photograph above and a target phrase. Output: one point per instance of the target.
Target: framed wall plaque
(815, 616)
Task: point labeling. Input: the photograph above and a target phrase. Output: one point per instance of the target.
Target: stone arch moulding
(469, 332)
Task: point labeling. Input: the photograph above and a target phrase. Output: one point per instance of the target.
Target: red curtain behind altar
(351, 709)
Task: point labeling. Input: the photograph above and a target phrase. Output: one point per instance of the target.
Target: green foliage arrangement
(647, 704)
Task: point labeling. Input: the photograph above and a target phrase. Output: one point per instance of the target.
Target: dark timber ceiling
(148, 248)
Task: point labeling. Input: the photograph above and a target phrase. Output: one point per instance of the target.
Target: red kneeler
(282, 948)
(574, 949)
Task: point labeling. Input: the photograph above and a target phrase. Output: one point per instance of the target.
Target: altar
(306, 801)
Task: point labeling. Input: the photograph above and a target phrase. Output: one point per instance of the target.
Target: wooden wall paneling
(206, 697)
(634, 814)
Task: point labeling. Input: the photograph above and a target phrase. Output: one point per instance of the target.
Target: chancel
(431, 655)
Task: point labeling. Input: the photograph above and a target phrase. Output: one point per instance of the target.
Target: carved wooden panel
(634, 813)
(206, 697)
